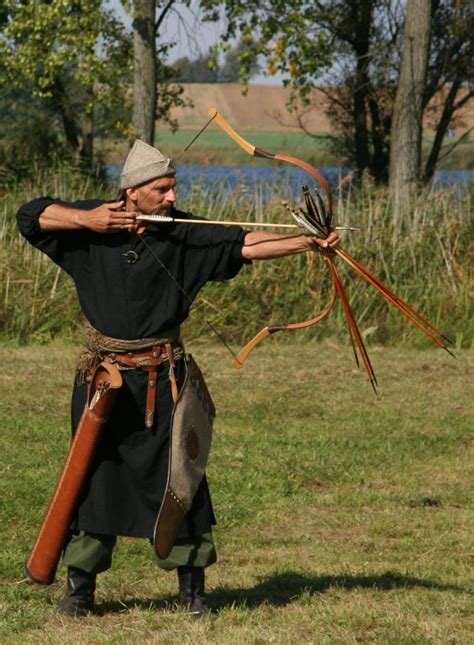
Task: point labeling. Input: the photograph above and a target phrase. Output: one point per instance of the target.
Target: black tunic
(130, 301)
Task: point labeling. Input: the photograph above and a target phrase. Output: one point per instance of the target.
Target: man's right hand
(109, 218)
(106, 218)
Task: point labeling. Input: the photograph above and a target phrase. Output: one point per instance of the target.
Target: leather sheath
(44, 557)
(190, 443)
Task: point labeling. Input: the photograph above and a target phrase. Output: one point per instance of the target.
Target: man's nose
(171, 195)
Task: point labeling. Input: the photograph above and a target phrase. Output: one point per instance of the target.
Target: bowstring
(168, 272)
(196, 137)
(187, 296)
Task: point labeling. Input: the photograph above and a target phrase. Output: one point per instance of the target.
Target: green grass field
(343, 518)
(215, 147)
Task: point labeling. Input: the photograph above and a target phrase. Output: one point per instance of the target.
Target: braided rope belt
(145, 354)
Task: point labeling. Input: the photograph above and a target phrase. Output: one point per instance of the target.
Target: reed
(423, 256)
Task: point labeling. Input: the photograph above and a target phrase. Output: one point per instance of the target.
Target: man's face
(155, 197)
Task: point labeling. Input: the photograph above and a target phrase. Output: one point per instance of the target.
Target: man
(135, 282)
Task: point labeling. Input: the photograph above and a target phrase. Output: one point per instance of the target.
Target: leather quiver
(44, 557)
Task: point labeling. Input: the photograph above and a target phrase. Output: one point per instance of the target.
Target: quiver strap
(44, 557)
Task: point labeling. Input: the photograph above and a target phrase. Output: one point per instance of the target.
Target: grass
(215, 147)
(218, 148)
(343, 518)
(425, 256)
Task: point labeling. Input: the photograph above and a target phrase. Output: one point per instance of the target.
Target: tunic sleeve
(60, 246)
(213, 253)
(225, 252)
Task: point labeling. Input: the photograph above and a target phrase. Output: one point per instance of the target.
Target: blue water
(262, 180)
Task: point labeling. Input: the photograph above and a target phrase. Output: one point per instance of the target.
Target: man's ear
(132, 195)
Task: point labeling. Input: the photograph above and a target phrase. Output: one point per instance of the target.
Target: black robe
(131, 301)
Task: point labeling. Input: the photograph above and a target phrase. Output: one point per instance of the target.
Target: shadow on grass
(280, 589)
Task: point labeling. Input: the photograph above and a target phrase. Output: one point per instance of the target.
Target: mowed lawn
(343, 518)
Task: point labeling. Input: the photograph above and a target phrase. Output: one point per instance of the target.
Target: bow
(317, 222)
(259, 152)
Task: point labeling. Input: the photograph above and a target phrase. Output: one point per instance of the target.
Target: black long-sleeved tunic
(130, 301)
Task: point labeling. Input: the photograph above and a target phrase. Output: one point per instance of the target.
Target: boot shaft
(79, 598)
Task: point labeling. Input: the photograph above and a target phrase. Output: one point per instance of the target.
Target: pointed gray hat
(144, 163)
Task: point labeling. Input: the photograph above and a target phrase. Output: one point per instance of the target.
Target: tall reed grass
(424, 256)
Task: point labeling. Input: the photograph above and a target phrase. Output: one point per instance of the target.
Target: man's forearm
(105, 218)
(261, 245)
(61, 218)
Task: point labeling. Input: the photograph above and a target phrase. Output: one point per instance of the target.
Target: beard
(165, 210)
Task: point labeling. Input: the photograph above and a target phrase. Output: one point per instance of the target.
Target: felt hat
(144, 163)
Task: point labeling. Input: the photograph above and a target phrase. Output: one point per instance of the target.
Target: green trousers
(92, 552)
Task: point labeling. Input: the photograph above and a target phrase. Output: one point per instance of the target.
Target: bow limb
(258, 152)
(272, 329)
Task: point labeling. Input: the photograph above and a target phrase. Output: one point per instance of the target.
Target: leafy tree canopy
(351, 49)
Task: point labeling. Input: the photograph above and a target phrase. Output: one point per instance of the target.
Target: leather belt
(149, 360)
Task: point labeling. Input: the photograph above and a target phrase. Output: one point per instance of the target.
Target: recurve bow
(317, 220)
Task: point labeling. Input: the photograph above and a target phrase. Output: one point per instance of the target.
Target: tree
(331, 41)
(353, 50)
(206, 68)
(71, 54)
(144, 70)
(450, 76)
(80, 60)
(229, 71)
(154, 89)
(405, 152)
(195, 71)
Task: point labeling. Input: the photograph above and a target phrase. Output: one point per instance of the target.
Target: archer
(136, 281)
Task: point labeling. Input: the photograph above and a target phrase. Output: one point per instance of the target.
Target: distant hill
(263, 109)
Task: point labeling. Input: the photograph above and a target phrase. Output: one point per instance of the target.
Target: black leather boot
(79, 598)
(191, 591)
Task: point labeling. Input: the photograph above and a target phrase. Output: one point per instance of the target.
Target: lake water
(262, 180)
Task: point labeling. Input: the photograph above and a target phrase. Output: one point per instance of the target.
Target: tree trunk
(360, 119)
(405, 149)
(442, 126)
(361, 16)
(63, 104)
(379, 161)
(87, 127)
(87, 148)
(144, 75)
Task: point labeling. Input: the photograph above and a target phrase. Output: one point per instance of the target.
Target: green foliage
(73, 59)
(29, 130)
(42, 38)
(170, 92)
(230, 70)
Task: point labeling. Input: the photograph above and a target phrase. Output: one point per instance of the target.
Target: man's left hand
(324, 246)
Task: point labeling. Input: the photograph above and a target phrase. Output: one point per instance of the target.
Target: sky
(193, 37)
